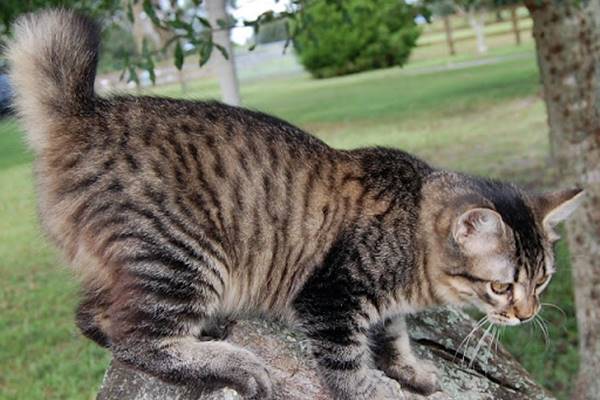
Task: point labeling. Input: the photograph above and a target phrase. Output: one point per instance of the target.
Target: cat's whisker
(502, 332)
(555, 307)
(477, 325)
(465, 343)
(497, 339)
(545, 324)
(543, 330)
(494, 333)
(563, 313)
(485, 334)
(467, 339)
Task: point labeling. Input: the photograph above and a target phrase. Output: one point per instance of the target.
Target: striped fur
(175, 213)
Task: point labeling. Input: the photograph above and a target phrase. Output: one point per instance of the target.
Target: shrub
(361, 35)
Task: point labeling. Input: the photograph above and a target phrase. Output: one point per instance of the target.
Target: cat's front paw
(421, 376)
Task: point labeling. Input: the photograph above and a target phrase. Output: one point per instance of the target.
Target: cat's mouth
(506, 320)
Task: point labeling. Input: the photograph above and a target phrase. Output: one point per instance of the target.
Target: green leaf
(151, 12)
(179, 24)
(204, 22)
(205, 51)
(179, 56)
(222, 24)
(222, 50)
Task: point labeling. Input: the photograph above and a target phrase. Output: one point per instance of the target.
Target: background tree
(513, 5)
(567, 36)
(444, 9)
(362, 35)
(472, 10)
(224, 61)
(177, 24)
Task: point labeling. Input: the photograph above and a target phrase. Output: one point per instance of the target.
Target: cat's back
(253, 190)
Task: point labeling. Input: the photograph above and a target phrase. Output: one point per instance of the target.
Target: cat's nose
(525, 318)
(527, 311)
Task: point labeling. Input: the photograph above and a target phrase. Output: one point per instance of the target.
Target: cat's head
(497, 247)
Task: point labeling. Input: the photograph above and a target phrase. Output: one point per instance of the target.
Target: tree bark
(491, 374)
(225, 67)
(448, 30)
(567, 39)
(514, 18)
(477, 22)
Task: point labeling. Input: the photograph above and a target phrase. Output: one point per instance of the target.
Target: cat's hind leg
(159, 309)
(189, 361)
(89, 316)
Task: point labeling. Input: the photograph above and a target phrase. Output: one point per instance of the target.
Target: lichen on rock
(436, 335)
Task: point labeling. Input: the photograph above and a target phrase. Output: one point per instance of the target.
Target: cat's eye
(542, 281)
(500, 288)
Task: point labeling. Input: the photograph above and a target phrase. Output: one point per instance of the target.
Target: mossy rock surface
(492, 374)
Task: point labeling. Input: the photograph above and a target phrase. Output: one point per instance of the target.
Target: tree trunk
(225, 67)
(477, 23)
(567, 39)
(515, 24)
(492, 375)
(448, 30)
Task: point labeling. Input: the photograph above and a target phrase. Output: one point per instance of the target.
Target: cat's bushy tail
(53, 59)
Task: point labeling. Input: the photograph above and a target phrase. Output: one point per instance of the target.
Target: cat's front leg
(342, 355)
(340, 345)
(390, 344)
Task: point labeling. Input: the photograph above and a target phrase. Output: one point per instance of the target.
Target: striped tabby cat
(174, 213)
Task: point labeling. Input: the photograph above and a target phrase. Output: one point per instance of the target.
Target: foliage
(363, 35)
(117, 44)
(184, 22)
(11, 9)
(441, 8)
(275, 31)
(189, 31)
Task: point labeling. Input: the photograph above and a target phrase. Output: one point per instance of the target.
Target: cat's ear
(478, 230)
(555, 207)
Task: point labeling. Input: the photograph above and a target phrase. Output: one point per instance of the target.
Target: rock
(437, 335)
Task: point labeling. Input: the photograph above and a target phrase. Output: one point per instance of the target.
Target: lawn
(487, 120)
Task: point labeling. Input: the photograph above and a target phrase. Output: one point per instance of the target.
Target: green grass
(42, 355)
(486, 120)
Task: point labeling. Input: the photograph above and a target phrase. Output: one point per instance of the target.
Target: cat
(173, 213)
